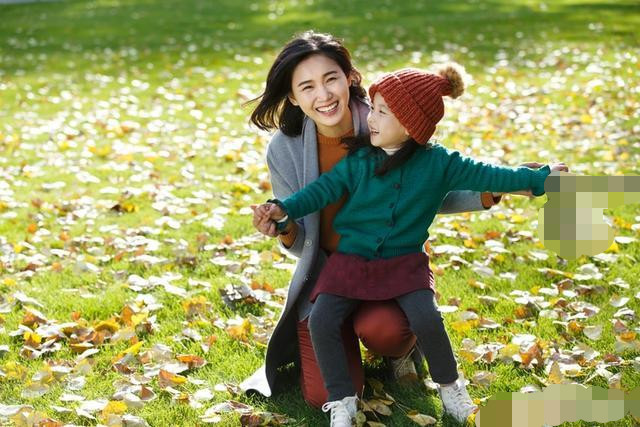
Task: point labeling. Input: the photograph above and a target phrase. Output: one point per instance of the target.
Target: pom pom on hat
(453, 73)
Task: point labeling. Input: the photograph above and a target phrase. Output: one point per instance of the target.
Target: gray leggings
(330, 311)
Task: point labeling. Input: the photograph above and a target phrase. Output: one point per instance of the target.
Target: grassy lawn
(127, 167)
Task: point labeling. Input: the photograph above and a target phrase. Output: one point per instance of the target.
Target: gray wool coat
(293, 163)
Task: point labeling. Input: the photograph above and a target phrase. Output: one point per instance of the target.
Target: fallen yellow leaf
(14, 371)
(461, 326)
(628, 336)
(379, 407)
(509, 350)
(166, 379)
(241, 332)
(555, 375)
(421, 419)
(574, 327)
(517, 219)
(109, 325)
(614, 248)
(469, 243)
(116, 407)
(134, 349)
(32, 339)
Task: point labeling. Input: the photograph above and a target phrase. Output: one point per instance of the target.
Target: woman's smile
(329, 109)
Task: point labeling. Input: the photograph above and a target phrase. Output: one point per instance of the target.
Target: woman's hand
(274, 211)
(264, 217)
(262, 222)
(532, 165)
(559, 167)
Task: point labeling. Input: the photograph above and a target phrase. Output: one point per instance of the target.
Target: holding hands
(559, 167)
(265, 217)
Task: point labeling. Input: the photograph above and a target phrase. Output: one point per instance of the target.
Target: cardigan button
(396, 185)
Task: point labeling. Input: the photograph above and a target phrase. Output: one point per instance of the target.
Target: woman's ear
(352, 78)
(292, 100)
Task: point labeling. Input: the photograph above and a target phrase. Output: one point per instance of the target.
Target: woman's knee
(383, 328)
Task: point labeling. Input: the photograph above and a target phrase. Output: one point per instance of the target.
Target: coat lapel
(310, 155)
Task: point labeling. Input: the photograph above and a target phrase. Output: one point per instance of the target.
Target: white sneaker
(403, 368)
(342, 411)
(456, 400)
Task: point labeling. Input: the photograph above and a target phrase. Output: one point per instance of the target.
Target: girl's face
(321, 90)
(386, 131)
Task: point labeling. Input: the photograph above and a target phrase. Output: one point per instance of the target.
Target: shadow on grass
(287, 399)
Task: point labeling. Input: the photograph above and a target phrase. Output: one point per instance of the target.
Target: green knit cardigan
(387, 216)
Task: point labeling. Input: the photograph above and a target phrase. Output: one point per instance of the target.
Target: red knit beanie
(415, 97)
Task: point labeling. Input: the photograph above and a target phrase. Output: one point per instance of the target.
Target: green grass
(552, 82)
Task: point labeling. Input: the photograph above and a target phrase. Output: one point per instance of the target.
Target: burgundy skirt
(356, 277)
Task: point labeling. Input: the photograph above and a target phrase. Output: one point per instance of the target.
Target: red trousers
(380, 325)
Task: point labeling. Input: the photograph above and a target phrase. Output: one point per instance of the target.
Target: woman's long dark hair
(274, 109)
(396, 160)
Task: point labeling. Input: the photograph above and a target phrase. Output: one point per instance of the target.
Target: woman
(313, 96)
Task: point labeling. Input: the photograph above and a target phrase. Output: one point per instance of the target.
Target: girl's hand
(262, 222)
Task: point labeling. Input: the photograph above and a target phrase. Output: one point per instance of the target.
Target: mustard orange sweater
(330, 152)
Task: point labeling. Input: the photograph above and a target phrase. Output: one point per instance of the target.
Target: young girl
(395, 181)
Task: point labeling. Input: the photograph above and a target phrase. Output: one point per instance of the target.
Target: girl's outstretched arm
(466, 173)
(531, 165)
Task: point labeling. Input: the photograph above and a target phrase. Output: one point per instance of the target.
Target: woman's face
(321, 90)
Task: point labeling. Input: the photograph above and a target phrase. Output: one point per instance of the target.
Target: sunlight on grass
(126, 151)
